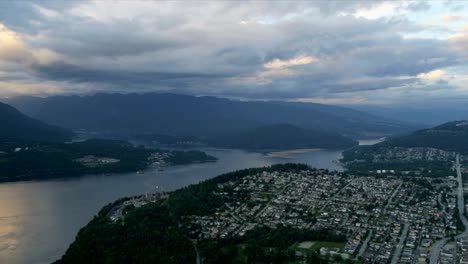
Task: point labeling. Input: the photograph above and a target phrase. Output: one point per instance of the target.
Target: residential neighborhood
(386, 219)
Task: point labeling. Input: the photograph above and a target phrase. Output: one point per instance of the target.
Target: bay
(39, 219)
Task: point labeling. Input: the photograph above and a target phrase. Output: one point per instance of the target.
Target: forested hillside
(202, 117)
(17, 126)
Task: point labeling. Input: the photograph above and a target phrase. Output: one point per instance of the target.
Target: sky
(336, 52)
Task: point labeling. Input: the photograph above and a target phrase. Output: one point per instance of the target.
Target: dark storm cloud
(222, 48)
(61, 71)
(412, 57)
(313, 88)
(90, 38)
(17, 15)
(240, 56)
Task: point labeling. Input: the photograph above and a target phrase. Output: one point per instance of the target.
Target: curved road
(436, 249)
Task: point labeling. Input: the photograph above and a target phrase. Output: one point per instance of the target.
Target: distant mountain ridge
(430, 115)
(19, 127)
(451, 136)
(282, 137)
(203, 117)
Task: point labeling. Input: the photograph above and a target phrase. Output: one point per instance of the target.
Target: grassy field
(265, 195)
(327, 244)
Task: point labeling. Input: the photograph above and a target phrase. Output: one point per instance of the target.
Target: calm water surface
(370, 141)
(39, 219)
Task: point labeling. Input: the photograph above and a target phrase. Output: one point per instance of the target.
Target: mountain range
(202, 117)
(429, 115)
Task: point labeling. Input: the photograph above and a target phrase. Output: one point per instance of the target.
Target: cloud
(419, 6)
(449, 18)
(61, 71)
(10, 88)
(432, 75)
(275, 69)
(298, 60)
(245, 49)
(14, 49)
(459, 42)
(11, 46)
(367, 83)
(335, 101)
(382, 9)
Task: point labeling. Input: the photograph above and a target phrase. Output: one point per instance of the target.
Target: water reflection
(38, 220)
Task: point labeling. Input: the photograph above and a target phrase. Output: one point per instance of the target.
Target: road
(461, 198)
(364, 245)
(399, 247)
(334, 195)
(439, 198)
(437, 247)
(271, 200)
(194, 243)
(389, 201)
